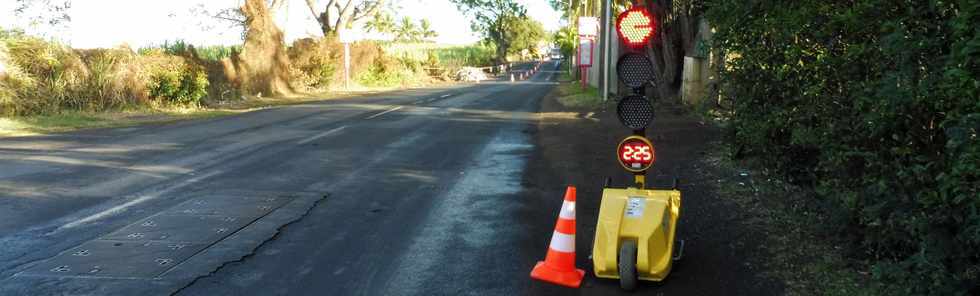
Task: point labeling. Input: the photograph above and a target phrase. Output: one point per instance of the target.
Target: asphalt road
(413, 192)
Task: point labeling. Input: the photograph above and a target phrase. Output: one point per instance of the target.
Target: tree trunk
(263, 66)
(676, 39)
(347, 12)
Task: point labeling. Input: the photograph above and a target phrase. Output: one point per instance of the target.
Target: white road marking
(321, 135)
(445, 96)
(137, 201)
(385, 112)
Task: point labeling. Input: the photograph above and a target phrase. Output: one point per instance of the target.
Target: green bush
(185, 85)
(323, 70)
(386, 71)
(876, 105)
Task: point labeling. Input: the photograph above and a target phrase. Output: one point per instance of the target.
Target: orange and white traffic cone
(559, 265)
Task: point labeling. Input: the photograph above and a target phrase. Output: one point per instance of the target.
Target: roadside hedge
(875, 104)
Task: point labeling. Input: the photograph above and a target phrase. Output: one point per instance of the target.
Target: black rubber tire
(627, 265)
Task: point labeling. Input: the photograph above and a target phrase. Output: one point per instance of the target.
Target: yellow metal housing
(646, 216)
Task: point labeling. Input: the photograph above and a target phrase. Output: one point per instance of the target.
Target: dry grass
(70, 121)
(49, 87)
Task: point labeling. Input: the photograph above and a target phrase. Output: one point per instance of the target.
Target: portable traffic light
(636, 26)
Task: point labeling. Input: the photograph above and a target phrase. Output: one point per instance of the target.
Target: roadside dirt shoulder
(580, 150)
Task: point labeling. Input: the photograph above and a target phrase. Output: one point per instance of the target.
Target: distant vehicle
(555, 54)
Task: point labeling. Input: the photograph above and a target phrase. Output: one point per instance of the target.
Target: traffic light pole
(640, 178)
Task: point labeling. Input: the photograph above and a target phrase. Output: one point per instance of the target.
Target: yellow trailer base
(647, 217)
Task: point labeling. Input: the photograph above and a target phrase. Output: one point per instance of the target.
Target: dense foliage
(179, 83)
(876, 105)
(504, 24)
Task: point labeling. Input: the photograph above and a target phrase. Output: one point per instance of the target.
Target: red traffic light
(636, 26)
(636, 154)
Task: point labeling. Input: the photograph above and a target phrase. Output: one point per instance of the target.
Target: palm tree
(425, 30)
(381, 23)
(406, 30)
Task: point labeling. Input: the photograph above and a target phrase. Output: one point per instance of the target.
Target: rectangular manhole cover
(116, 259)
(233, 206)
(181, 228)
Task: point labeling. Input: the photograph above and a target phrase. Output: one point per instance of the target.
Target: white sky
(109, 23)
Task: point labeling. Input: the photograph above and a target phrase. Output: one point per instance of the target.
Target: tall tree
(263, 66)
(341, 14)
(233, 17)
(677, 38)
(492, 18)
(523, 33)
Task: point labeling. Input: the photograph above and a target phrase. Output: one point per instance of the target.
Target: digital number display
(636, 154)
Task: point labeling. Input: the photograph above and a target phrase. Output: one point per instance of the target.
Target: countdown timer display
(636, 154)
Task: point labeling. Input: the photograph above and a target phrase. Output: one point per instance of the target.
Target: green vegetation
(570, 94)
(46, 78)
(791, 228)
(184, 84)
(56, 84)
(43, 77)
(504, 24)
(435, 55)
(879, 120)
(566, 39)
(179, 47)
(388, 72)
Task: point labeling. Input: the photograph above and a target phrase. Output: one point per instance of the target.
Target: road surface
(448, 191)
(404, 193)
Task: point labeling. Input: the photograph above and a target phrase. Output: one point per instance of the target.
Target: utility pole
(606, 55)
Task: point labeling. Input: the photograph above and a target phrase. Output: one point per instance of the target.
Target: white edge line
(321, 135)
(131, 203)
(385, 112)
(445, 96)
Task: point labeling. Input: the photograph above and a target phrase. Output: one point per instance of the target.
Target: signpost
(585, 49)
(588, 26)
(347, 36)
(588, 29)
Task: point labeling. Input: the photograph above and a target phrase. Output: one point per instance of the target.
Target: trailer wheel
(627, 265)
